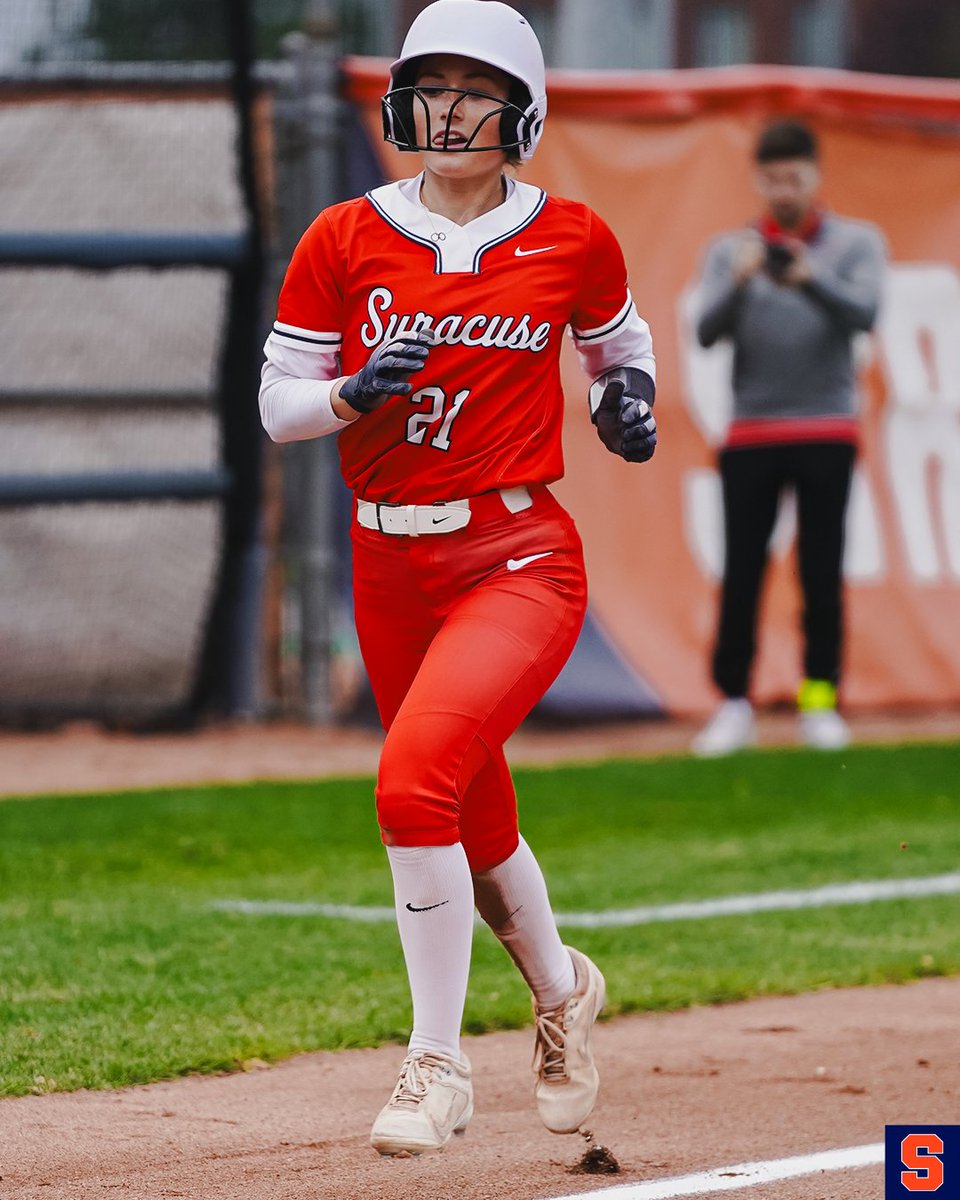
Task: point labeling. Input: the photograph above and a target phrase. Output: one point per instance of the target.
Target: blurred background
(161, 564)
(902, 37)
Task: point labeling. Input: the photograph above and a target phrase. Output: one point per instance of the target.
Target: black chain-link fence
(129, 340)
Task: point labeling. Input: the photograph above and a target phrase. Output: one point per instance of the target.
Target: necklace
(438, 235)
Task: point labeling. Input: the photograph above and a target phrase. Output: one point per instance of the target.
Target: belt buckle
(402, 519)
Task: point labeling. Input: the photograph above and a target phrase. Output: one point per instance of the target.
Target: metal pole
(308, 124)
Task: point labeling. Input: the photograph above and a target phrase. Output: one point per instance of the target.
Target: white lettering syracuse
(503, 333)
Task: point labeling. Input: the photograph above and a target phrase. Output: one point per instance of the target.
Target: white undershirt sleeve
(295, 387)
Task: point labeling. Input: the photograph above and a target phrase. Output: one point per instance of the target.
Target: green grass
(114, 969)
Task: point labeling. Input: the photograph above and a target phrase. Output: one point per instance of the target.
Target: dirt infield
(682, 1092)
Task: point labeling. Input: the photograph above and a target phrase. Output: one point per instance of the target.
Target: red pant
(459, 648)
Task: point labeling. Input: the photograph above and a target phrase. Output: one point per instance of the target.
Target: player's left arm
(615, 351)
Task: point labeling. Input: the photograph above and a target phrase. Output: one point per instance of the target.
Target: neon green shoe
(815, 694)
(821, 725)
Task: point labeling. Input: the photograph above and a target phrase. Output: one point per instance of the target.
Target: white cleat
(824, 729)
(432, 1101)
(567, 1079)
(732, 727)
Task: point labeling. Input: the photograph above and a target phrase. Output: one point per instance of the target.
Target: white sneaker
(732, 727)
(432, 1101)
(824, 729)
(567, 1079)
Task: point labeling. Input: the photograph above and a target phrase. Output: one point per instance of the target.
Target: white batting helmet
(493, 33)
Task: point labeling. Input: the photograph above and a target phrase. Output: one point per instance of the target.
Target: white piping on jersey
(623, 342)
(305, 339)
(607, 330)
(458, 249)
(511, 233)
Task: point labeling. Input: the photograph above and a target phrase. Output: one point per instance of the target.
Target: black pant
(753, 480)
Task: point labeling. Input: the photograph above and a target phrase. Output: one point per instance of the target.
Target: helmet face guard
(401, 104)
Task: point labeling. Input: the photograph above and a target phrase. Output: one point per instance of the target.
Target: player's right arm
(303, 393)
(294, 406)
(299, 383)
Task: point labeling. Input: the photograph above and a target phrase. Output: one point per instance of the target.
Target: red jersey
(486, 412)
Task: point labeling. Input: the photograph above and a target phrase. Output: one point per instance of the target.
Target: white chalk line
(821, 897)
(741, 1175)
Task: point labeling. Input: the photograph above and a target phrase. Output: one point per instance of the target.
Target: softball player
(422, 323)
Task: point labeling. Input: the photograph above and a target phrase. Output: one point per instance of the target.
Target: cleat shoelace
(411, 1086)
(549, 1051)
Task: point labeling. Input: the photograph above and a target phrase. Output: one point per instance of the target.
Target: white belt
(414, 520)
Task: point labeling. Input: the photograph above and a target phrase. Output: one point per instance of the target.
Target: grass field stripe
(821, 897)
(742, 1175)
(836, 893)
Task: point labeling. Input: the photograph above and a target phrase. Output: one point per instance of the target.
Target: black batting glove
(638, 436)
(387, 371)
(621, 403)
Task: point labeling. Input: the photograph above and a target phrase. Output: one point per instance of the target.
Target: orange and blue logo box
(922, 1160)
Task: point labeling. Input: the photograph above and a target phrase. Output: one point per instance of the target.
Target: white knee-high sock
(512, 899)
(433, 893)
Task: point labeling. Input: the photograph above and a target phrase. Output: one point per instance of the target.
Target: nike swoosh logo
(514, 564)
(438, 520)
(429, 906)
(518, 253)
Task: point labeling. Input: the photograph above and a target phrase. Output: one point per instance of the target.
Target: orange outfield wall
(665, 159)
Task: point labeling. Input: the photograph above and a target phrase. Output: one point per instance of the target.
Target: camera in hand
(779, 256)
